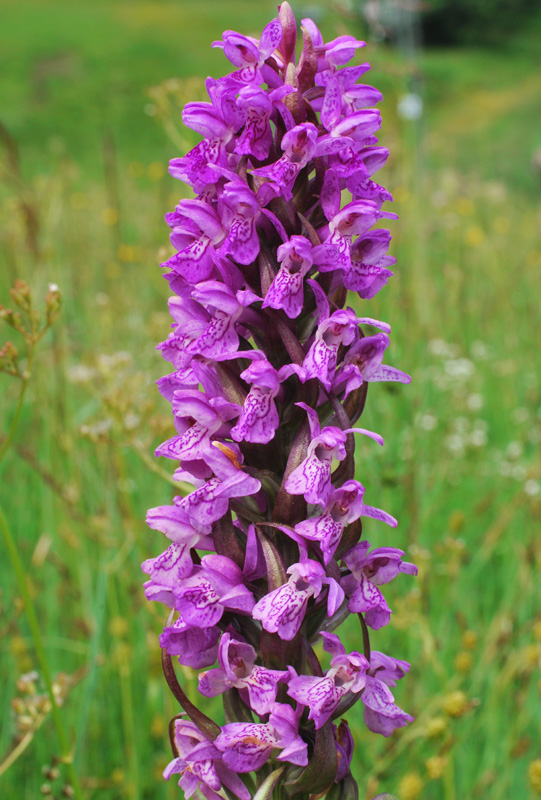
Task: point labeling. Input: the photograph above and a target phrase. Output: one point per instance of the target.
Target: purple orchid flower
(381, 714)
(205, 323)
(197, 419)
(353, 95)
(286, 290)
(284, 135)
(195, 647)
(369, 271)
(354, 219)
(247, 746)
(298, 145)
(210, 501)
(217, 121)
(256, 138)
(386, 668)
(239, 212)
(332, 54)
(196, 229)
(367, 573)
(238, 669)
(344, 506)
(217, 585)
(312, 478)
(344, 749)
(340, 328)
(322, 695)
(259, 418)
(167, 570)
(348, 673)
(249, 54)
(363, 362)
(200, 765)
(282, 610)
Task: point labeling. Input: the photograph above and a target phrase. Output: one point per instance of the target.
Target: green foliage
(475, 21)
(460, 467)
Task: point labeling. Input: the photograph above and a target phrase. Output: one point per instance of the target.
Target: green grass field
(83, 208)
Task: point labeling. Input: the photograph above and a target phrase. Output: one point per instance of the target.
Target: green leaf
(276, 571)
(235, 709)
(265, 790)
(317, 777)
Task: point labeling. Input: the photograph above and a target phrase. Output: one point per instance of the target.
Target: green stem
(19, 749)
(16, 563)
(15, 421)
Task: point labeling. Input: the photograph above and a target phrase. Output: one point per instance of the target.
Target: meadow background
(90, 98)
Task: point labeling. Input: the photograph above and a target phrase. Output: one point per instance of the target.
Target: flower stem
(66, 750)
(15, 421)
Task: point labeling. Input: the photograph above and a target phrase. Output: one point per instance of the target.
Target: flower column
(270, 372)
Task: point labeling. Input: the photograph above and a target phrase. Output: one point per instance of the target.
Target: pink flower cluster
(270, 374)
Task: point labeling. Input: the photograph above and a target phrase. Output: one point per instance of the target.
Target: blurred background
(90, 100)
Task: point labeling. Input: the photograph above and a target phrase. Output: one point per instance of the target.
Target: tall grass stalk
(63, 740)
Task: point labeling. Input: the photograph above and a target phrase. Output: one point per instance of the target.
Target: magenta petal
(323, 529)
(259, 418)
(387, 669)
(213, 682)
(384, 373)
(261, 685)
(199, 604)
(379, 513)
(172, 565)
(286, 291)
(332, 644)
(335, 598)
(295, 753)
(195, 647)
(320, 695)
(330, 195)
(243, 243)
(282, 611)
(381, 714)
(368, 599)
(254, 563)
(232, 781)
(239, 599)
(331, 110)
(270, 39)
(245, 747)
(170, 520)
(312, 478)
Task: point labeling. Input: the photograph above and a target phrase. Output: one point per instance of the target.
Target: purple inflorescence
(270, 374)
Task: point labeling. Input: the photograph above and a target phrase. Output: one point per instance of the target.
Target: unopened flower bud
(469, 639)
(463, 661)
(410, 786)
(21, 295)
(534, 774)
(289, 35)
(455, 703)
(13, 318)
(18, 705)
(9, 359)
(435, 767)
(51, 773)
(53, 303)
(26, 683)
(435, 727)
